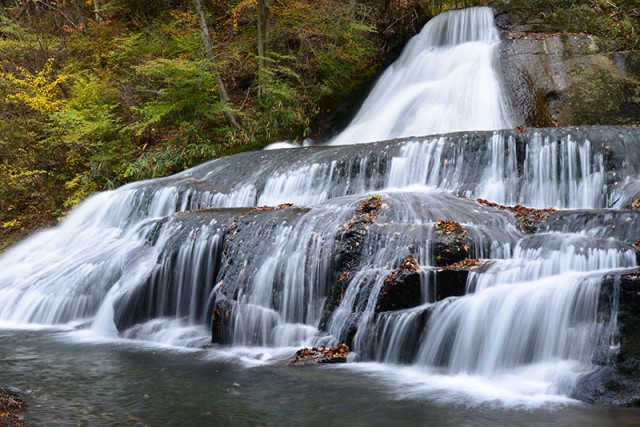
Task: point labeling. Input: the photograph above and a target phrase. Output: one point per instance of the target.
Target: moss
(594, 95)
(616, 19)
(542, 116)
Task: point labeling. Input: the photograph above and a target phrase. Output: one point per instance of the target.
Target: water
(71, 382)
(444, 81)
(135, 276)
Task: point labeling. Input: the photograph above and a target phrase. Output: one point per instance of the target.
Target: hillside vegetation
(98, 93)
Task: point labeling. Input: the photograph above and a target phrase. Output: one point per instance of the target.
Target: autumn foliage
(97, 94)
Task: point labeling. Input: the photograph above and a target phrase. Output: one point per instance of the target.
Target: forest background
(98, 93)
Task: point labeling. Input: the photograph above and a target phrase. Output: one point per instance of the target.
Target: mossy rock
(595, 94)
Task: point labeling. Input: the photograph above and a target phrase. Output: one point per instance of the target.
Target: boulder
(402, 288)
(314, 355)
(450, 244)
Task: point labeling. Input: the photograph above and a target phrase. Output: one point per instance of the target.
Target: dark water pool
(73, 383)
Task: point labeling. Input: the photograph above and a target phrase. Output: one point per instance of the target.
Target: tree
(96, 10)
(263, 28)
(213, 66)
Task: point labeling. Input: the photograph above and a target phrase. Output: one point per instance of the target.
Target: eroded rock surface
(557, 78)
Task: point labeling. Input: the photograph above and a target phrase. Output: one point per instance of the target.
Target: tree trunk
(386, 8)
(96, 10)
(213, 65)
(263, 28)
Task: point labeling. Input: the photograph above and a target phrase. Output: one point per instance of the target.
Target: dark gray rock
(617, 382)
(402, 288)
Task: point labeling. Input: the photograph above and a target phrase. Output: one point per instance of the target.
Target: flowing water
(76, 383)
(444, 81)
(123, 292)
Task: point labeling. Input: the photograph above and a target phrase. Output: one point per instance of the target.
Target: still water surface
(70, 382)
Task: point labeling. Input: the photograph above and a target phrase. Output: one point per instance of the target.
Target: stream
(71, 381)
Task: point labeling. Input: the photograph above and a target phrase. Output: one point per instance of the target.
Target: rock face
(565, 79)
(617, 381)
(370, 249)
(553, 77)
(373, 271)
(629, 318)
(348, 248)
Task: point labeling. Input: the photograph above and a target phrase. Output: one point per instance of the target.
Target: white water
(444, 81)
(532, 324)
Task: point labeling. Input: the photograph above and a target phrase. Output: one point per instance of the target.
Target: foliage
(437, 6)
(88, 103)
(98, 151)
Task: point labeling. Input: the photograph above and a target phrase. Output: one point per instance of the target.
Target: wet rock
(348, 251)
(314, 355)
(616, 382)
(164, 292)
(220, 321)
(610, 386)
(358, 168)
(629, 318)
(450, 244)
(622, 225)
(629, 194)
(11, 403)
(452, 281)
(386, 344)
(402, 288)
(249, 233)
(529, 218)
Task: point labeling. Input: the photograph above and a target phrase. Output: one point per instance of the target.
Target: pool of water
(74, 382)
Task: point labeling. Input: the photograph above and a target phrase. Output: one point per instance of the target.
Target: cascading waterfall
(158, 260)
(444, 81)
(536, 307)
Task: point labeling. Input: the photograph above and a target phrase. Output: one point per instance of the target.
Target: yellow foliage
(236, 11)
(185, 24)
(40, 90)
(185, 17)
(10, 224)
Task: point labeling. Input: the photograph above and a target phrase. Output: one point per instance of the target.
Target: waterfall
(288, 248)
(533, 308)
(444, 81)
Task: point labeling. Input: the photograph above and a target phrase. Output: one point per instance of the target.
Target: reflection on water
(73, 383)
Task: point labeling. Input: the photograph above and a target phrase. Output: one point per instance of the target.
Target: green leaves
(175, 91)
(87, 105)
